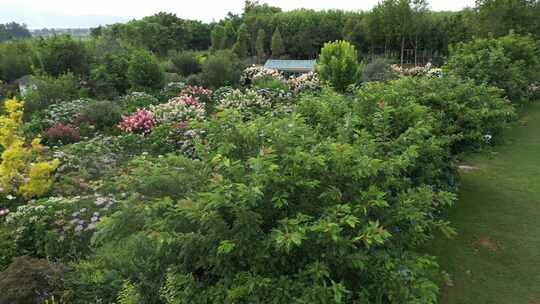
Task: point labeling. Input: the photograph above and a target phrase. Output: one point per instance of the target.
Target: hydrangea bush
(256, 72)
(140, 122)
(179, 109)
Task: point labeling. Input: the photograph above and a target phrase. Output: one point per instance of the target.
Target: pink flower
(141, 122)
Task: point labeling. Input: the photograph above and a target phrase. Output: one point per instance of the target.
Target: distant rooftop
(293, 66)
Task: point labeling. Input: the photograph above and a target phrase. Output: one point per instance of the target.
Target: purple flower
(79, 228)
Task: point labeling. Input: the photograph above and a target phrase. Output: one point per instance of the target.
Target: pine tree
(278, 48)
(241, 47)
(259, 45)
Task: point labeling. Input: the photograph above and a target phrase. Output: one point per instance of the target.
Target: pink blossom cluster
(141, 122)
(197, 92)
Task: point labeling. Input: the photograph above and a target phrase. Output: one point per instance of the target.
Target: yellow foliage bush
(22, 169)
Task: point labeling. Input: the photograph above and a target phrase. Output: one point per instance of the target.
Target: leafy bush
(61, 134)
(57, 227)
(23, 170)
(48, 90)
(136, 100)
(378, 70)
(144, 71)
(464, 112)
(338, 65)
(29, 280)
(101, 114)
(186, 63)
(289, 214)
(109, 77)
(222, 69)
(510, 63)
(15, 60)
(61, 54)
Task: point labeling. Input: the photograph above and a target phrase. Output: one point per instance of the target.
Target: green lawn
(496, 256)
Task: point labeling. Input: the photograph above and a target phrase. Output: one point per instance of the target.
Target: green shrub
(144, 71)
(61, 54)
(101, 114)
(186, 63)
(109, 77)
(222, 69)
(47, 90)
(288, 215)
(378, 70)
(468, 115)
(15, 60)
(338, 65)
(510, 63)
(28, 280)
(133, 101)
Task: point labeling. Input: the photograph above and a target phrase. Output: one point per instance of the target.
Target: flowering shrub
(434, 72)
(58, 227)
(173, 89)
(309, 81)
(22, 169)
(134, 101)
(62, 134)
(256, 72)
(246, 101)
(141, 122)
(63, 113)
(179, 109)
(221, 93)
(177, 137)
(202, 94)
(403, 71)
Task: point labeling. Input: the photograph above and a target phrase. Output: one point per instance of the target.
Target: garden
(221, 181)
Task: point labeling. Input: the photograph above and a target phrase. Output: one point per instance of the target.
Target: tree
(219, 40)
(230, 34)
(241, 47)
(498, 17)
(278, 49)
(13, 30)
(259, 45)
(61, 54)
(222, 69)
(144, 71)
(338, 65)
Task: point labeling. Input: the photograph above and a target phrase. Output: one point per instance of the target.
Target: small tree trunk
(402, 49)
(416, 51)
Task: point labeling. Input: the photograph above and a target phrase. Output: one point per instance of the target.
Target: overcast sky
(206, 10)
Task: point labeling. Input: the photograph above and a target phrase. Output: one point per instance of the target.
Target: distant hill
(36, 19)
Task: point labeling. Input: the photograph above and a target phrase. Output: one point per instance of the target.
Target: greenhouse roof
(296, 66)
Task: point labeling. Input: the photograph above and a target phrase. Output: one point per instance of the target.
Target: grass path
(496, 256)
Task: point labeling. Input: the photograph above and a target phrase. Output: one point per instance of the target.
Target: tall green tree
(241, 47)
(498, 17)
(338, 65)
(218, 37)
(277, 47)
(230, 34)
(260, 45)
